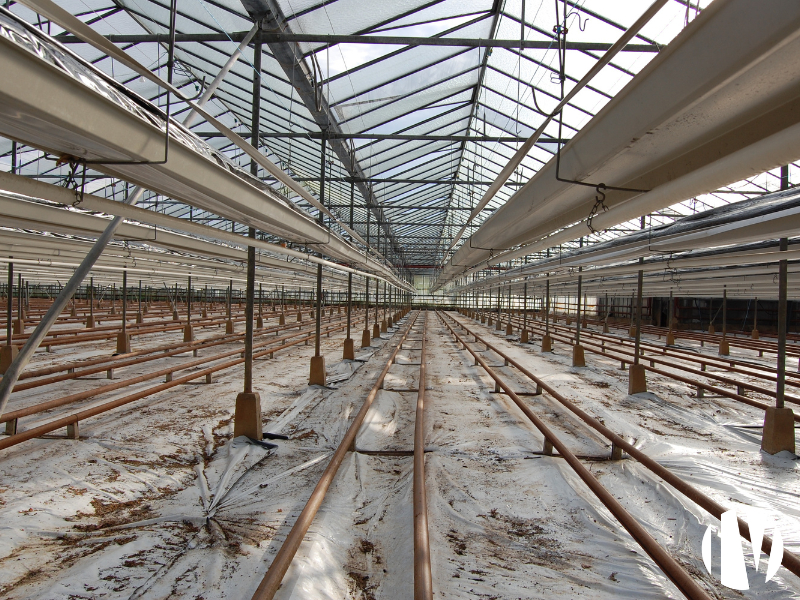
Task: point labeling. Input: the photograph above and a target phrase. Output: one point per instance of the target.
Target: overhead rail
(36, 189)
(717, 105)
(267, 37)
(128, 133)
(771, 216)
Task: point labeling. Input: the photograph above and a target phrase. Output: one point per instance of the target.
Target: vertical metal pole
(724, 311)
(639, 280)
(230, 294)
(189, 301)
(9, 306)
(19, 297)
(349, 300)
(547, 307)
(260, 298)
(318, 324)
(366, 291)
(248, 313)
(91, 297)
(525, 305)
(255, 127)
(124, 302)
(139, 309)
(755, 315)
(578, 299)
(782, 302)
(671, 308)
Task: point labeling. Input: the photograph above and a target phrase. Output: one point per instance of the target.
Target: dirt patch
(361, 586)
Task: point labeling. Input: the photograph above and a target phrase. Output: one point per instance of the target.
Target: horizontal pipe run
(280, 564)
(669, 566)
(96, 410)
(790, 561)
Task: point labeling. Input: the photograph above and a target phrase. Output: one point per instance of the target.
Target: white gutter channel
(32, 188)
(755, 159)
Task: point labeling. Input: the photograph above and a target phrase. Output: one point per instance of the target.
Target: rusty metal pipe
(423, 586)
(671, 568)
(280, 564)
(96, 410)
(790, 561)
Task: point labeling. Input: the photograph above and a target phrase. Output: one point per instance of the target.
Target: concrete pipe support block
(7, 356)
(637, 382)
(282, 319)
(349, 350)
(123, 343)
(376, 331)
(778, 430)
(670, 339)
(524, 337)
(384, 326)
(547, 343)
(247, 419)
(754, 335)
(188, 333)
(578, 359)
(365, 339)
(317, 375)
(724, 348)
(229, 326)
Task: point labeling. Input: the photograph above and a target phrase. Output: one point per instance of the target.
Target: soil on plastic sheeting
(158, 500)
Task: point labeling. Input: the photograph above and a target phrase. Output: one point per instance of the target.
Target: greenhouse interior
(226, 226)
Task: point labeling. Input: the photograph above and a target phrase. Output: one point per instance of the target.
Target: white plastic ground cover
(156, 500)
(171, 507)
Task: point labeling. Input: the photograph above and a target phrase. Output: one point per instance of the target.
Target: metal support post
(247, 419)
(670, 335)
(637, 382)
(778, 433)
(9, 304)
(9, 351)
(317, 375)
(754, 334)
(724, 347)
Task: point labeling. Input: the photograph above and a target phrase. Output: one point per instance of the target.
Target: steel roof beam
(290, 57)
(329, 40)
